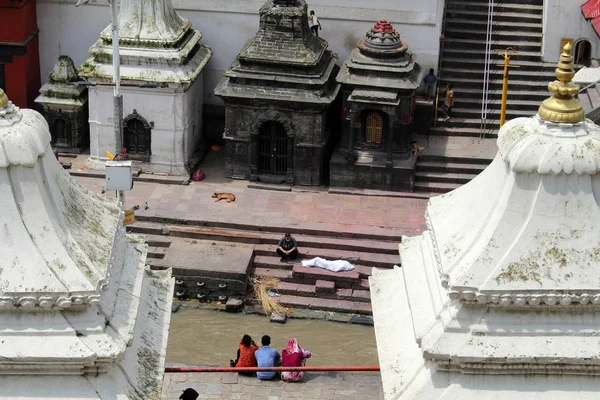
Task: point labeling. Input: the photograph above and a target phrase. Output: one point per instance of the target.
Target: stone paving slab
(462, 147)
(316, 385)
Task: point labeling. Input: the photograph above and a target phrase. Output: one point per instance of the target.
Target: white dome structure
(81, 315)
(499, 298)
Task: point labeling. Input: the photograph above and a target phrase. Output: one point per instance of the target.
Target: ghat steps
(301, 287)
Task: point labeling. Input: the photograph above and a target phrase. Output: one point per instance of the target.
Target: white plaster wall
(174, 113)
(228, 24)
(563, 19)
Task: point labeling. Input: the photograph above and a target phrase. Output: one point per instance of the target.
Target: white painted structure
(499, 298)
(563, 19)
(156, 46)
(228, 24)
(81, 315)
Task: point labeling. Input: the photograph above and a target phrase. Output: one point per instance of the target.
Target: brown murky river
(210, 338)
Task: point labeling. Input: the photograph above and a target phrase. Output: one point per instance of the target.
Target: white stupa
(163, 125)
(81, 316)
(500, 297)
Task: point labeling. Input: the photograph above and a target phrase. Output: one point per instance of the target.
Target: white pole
(118, 99)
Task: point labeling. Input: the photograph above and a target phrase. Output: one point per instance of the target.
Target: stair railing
(588, 86)
(486, 67)
(439, 66)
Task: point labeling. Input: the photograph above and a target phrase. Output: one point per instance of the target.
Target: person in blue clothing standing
(267, 357)
(430, 80)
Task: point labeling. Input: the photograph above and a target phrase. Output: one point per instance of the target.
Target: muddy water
(210, 338)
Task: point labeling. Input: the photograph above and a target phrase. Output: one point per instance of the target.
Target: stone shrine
(64, 106)
(379, 81)
(82, 316)
(278, 94)
(499, 298)
(163, 124)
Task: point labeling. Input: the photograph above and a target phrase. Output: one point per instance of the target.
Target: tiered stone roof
(283, 61)
(380, 67)
(502, 291)
(155, 45)
(59, 89)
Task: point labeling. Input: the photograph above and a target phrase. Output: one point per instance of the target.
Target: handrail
(439, 66)
(271, 369)
(588, 86)
(486, 67)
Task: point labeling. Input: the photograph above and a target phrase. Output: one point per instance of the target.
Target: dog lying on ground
(220, 196)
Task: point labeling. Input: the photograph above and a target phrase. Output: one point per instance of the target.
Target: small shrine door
(272, 148)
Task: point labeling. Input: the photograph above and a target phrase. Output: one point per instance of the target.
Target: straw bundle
(261, 287)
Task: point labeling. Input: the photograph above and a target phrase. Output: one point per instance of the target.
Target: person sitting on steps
(287, 248)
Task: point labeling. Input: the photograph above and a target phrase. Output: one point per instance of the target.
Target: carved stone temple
(82, 316)
(158, 47)
(278, 96)
(65, 108)
(500, 297)
(379, 80)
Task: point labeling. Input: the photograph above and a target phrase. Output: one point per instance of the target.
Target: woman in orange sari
(246, 353)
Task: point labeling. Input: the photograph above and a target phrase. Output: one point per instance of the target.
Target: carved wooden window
(137, 137)
(374, 128)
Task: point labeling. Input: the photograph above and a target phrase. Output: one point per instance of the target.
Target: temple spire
(562, 106)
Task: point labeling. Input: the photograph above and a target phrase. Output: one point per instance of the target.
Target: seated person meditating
(267, 357)
(293, 356)
(287, 248)
(246, 354)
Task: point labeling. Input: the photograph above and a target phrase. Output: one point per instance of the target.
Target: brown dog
(220, 196)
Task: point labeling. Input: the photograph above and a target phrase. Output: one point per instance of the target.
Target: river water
(211, 338)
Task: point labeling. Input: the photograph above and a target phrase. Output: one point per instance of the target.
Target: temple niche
(64, 105)
(161, 71)
(278, 96)
(379, 80)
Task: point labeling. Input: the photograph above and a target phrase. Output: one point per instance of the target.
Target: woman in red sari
(293, 356)
(246, 353)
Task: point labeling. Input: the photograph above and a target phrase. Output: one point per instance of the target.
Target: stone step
(496, 104)
(480, 32)
(157, 240)
(464, 160)
(273, 263)
(506, 26)
(425, 176)
(515, 74)
(472, 124)
(315, 303)
(535, 2)
(371, 258)
(493, 84)
(311, 275)
(495, 44)
(482, 15)
(499, 7)
(302, 290)
(494, 114)
(494, 96)
(436, 187)
(497, 56)
(450, 167)
(497, 62)
(157, 252)
(461, 131)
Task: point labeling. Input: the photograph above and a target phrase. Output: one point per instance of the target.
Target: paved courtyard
(326, 385)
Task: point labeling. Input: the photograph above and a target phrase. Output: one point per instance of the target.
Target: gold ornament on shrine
(562, 106)
(3, 99)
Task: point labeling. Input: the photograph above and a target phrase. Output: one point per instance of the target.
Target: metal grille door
(272, 148)
(374, 128)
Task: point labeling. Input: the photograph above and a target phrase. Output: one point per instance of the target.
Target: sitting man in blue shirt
(267, 357)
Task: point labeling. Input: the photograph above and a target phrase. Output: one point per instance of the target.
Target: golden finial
(562, 106)
(3, 99)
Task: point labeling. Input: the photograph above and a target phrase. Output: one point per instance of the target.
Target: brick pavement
(326, 385)
(300, 208)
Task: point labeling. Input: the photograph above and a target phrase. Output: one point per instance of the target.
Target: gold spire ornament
(562, 106)
(3, 99)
